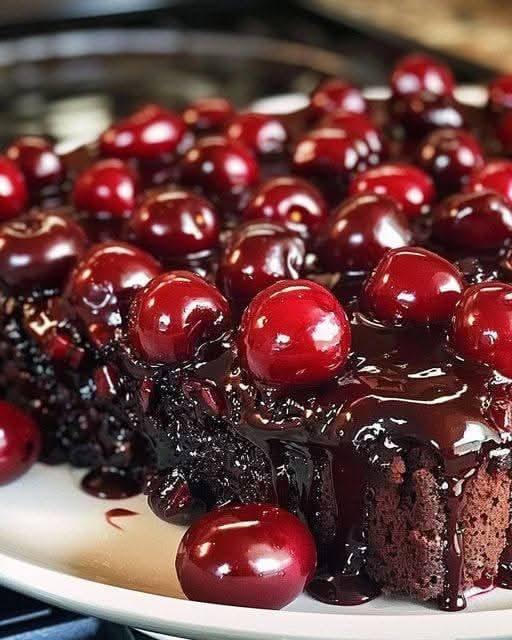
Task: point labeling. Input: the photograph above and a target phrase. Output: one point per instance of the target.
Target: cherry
(20, 442)
(294, 333)
(175, 224)
(106, 189)
(336, 95)
(495, 175)
(208, 114)
(411, 187)
(150, 132)
(39, 250)
(330, 157)
(38, 162)
(175, 315)
(481, 220)
(259, 254)
(356, 125)
(504, 131)
(482, 325)
(219, 167)
(421, 113)
(264, 134)
(500, 94)
(103, 283)
(251, 555)
(13, 189)
(290, 201)
(419, 72)
(360, 231)
(413, 285)
(449, 156)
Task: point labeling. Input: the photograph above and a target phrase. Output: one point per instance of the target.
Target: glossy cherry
(290, 201)
(259, 253)
(38, 161)
(481, 220)
(500, 94)
(174, 224)
(150, 132)
(20, 442)
(174, 316)
(335, 94)
(409, 186)
(104, 282)
(252, 555)
(495, 175)
(294, 333)
(208, 114)
(504, 131)
(357, 125)
(107, 189)
(360, 231)
(449, 156)
(330, 157)
(413, 285)
(420, 72)
(219, 167)
(13, 189)
(420, 113)
(38, 250)
(264, 134)
(482, 325)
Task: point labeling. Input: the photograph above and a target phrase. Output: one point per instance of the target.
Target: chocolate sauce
(402, 389)
(111, 514)
(110, 483)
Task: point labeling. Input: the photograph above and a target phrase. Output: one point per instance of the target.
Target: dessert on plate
(257, 315)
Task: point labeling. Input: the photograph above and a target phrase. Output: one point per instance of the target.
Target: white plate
(56, 545)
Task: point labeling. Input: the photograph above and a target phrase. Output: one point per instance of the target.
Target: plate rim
(198, 620)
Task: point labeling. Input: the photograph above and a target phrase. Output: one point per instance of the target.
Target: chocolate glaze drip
(119, 512)
(111, 484)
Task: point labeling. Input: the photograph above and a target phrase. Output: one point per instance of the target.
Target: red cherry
(290, 201)
(175, 224)
(252, 555)
(419, 72)
(411, 187)
(413, 285)
(104, 282)
(175, 315)
(329, 157)
(420, 113)
(504, 131)
(13, 189)
(149, 132)
(449, 156)
(20, 442)
(39, 250)
(482, 325)
(356, 125)
(262, 133)
(360, 231)
(480, 221)
(500, 94)
(495, 175)
(38, 162)
(336, 95)
(106, 189)
(220, 167)
(259, 254)
(294, 333)
(208, 114)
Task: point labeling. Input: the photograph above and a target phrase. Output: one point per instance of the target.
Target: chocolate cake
(310, 310)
